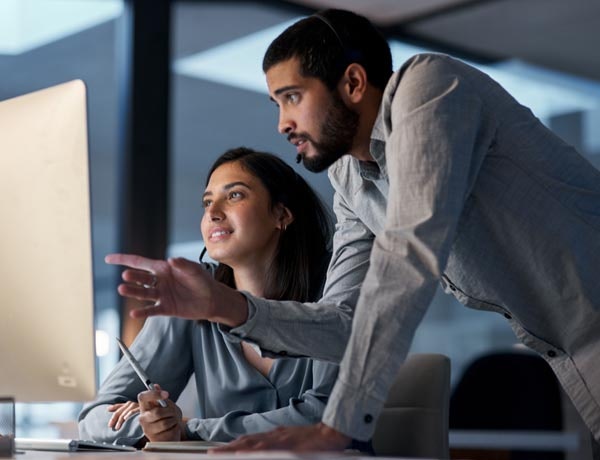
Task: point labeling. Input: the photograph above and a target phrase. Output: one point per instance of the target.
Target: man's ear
(284, 216)
(353, 84)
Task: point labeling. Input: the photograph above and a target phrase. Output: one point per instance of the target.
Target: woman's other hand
(122, 412)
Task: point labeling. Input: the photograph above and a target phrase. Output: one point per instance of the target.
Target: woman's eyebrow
(228, 186)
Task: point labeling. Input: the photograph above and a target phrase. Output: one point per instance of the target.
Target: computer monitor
(46, 281)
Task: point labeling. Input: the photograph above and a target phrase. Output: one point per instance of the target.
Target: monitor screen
(46, 281)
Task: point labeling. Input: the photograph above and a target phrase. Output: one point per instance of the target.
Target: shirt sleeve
(273, 325)
(434, 127)
(303, 410)
(162, 350)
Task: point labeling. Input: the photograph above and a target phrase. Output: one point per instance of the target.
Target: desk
(141, 455)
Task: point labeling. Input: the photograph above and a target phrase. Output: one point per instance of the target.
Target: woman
(270, 234)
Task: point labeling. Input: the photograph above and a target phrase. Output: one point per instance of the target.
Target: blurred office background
(543, 51)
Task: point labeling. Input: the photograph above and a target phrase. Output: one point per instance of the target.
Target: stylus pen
(138, 369)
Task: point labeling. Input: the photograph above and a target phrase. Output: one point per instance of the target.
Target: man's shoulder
(431, 68)
(425, 60)
(427, 75)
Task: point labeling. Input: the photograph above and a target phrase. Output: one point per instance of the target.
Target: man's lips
(299, 142)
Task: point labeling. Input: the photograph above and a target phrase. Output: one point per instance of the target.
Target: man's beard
(337, 134)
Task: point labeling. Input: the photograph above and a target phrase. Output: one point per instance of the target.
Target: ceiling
(557, 34)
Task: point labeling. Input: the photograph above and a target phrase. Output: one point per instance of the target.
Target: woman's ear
(353, 84)
(284, 217)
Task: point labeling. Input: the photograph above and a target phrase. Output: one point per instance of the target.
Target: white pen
(138, 369)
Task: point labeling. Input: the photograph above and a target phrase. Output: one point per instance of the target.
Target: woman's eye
(293, 98)
(206, 203)
(235, 195)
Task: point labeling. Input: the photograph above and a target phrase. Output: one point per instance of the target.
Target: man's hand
(121, 412)
(160, 423)
(178, 287)
(317, 437)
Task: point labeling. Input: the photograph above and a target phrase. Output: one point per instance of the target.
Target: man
(439, 175)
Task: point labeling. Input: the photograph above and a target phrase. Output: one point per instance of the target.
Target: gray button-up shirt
(470, 189)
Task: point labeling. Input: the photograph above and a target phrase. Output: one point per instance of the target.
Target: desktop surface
(141, 455)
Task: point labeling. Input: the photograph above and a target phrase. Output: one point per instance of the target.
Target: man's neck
(361, 149)
(363, 153)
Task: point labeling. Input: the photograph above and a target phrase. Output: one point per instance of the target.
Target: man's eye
(293, 98)
(235, 195)
(206, 203)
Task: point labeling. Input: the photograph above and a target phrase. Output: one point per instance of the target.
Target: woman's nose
(215, 213)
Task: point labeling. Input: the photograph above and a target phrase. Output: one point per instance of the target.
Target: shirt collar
(377, 146)
(377, 132)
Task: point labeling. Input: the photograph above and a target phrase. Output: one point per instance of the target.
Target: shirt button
(507, 316)
(551, 353)
(368, 418)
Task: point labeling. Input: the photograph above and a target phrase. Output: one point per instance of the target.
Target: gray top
(234, 397)
(482, 198)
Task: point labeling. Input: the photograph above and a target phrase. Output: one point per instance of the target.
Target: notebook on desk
(68, 445)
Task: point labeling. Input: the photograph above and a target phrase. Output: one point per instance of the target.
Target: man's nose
(286, 125)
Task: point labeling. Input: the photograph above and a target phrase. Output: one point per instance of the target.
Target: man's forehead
(288, 67)
(285, 74)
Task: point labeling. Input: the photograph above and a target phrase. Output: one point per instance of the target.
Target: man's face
(313, 118)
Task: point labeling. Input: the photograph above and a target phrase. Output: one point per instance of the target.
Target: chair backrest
(414, 421)
(508, 391)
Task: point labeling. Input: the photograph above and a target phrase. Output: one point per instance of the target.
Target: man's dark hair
(303, 252)
(330, 40)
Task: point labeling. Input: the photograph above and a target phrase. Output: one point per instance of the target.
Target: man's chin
(314, 166)
(319, 162)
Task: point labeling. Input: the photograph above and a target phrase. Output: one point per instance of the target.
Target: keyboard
(69, 445)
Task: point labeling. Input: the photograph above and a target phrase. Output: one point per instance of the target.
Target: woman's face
(239, 227)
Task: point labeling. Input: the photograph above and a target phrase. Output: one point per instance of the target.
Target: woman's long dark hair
(303, 251)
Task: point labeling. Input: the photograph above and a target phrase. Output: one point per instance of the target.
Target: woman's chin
(220, 257)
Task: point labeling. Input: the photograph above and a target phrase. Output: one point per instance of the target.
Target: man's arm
(320, 329)
(182, 288)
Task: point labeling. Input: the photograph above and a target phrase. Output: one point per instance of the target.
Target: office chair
(414, 421)
(508, 391)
